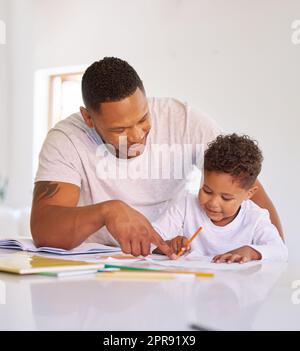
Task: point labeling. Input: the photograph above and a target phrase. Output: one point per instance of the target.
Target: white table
(257, 298)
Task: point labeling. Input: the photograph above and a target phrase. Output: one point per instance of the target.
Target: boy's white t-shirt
(73, 153)
(252, 227)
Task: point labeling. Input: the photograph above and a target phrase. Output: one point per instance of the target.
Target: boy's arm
(267, 242)
(177, 244)
(170, 224)
(262, 200)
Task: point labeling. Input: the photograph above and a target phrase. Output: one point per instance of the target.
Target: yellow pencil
(189, 241)
(197, 274)
(145, 275)
(130, 275)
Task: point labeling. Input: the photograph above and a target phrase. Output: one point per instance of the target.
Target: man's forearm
(261, 199)
(67, 227)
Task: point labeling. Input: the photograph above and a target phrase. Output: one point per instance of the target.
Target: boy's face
(221, 197)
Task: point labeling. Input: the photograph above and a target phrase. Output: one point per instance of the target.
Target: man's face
(127, 120)
(221, 196)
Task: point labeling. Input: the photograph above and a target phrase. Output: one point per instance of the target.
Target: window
(57, 94)
(64, 96)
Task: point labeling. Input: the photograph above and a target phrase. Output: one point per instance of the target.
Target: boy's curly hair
(236, 155)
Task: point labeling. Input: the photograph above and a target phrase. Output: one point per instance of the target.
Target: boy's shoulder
(192, 204)
(190, 198)
(253, 212)
(188, 202)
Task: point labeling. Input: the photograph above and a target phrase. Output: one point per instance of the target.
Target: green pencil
(129, 268)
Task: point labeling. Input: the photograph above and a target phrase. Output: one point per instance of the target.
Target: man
(94, 182)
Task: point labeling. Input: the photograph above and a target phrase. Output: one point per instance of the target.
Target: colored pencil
(182, 251)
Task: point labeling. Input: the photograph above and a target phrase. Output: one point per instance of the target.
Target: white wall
(3, 95)
(21, 71)
(233, 59)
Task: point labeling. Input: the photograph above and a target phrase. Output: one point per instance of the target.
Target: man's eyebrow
(121, 127)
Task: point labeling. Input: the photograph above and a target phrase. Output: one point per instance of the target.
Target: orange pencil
(189, 241)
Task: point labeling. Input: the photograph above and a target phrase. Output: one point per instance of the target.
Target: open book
(28, 245)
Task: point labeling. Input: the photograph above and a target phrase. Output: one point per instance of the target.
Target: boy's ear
(252, 191)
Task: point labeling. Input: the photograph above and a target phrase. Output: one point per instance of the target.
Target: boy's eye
(207, 191)
(226, 198)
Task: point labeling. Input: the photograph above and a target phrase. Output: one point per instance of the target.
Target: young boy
(234, 228)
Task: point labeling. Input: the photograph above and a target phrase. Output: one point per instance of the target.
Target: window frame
(64, 77)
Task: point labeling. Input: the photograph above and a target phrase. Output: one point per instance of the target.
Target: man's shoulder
(166, 102)
(182, 114)
(171, 104)
(73, 123)
(75, 127)
(168, 109)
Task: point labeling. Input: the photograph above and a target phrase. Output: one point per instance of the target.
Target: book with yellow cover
(26, 263)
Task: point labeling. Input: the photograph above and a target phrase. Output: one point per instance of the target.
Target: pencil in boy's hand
(182, 250)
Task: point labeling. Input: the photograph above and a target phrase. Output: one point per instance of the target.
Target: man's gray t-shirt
(74, 153)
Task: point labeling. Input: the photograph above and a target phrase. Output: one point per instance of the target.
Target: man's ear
(252, 191)
(87, 117)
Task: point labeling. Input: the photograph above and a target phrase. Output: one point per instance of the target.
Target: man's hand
(176, 244)
(133, 231)
(241, 255)
(57, 221)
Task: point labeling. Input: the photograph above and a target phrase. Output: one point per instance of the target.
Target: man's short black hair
(107, 80)
(236, 155)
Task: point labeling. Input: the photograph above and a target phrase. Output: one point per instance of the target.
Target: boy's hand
(241, 255)
(176, 244)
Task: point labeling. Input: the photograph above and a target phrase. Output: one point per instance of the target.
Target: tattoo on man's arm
(45, 190)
